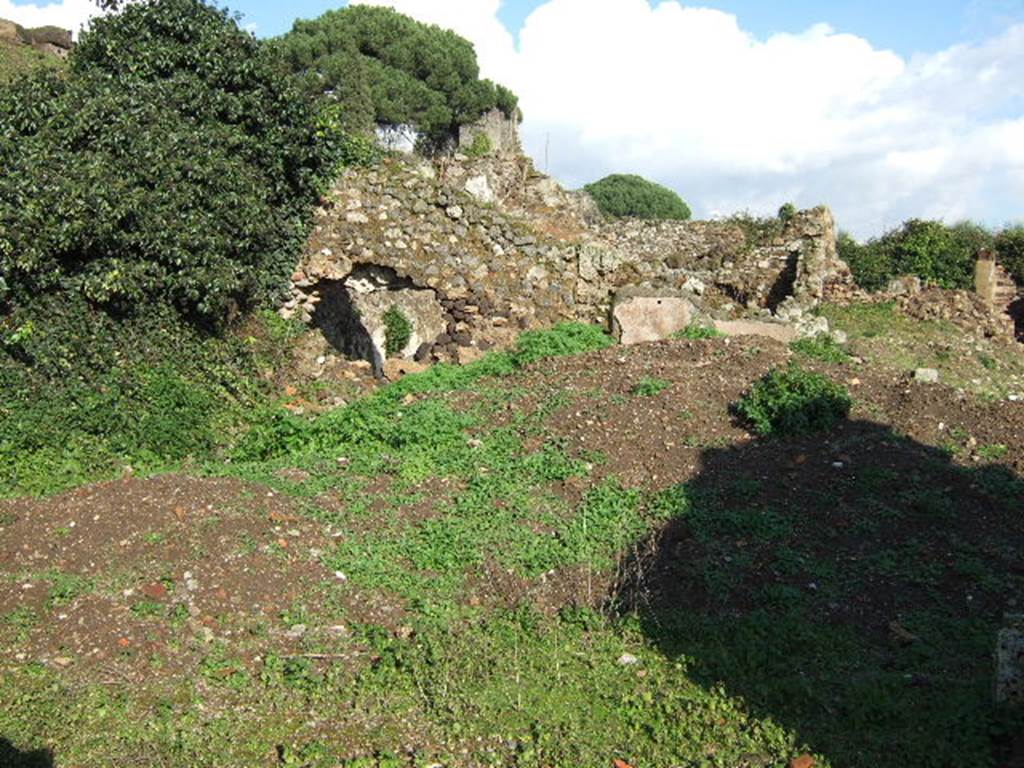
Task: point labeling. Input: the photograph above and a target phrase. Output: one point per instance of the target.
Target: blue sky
(882, 109)
(905, 26)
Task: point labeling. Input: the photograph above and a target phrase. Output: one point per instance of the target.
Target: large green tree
(387, 69)
(173, 163)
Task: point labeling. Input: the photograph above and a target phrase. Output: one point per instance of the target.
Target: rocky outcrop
(52, 40)
(499, 248)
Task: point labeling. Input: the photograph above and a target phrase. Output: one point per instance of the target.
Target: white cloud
(685, 96)
(67, 14)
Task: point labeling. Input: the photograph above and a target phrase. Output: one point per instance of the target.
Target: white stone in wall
(420, 307)
(480, 188)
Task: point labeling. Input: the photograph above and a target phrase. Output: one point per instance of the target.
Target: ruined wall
(503, 248)
(997, 289)
(501, 131)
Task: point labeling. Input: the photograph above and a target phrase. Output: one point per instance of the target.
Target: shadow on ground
(849, 587)
(11, 757)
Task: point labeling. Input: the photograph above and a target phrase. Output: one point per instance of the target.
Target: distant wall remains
(997, 289)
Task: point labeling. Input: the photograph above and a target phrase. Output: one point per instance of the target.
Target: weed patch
(698, 332)
(821, 347)
(794, 402)
(649, 387)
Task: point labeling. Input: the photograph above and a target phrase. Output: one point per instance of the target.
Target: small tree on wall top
(636, 197)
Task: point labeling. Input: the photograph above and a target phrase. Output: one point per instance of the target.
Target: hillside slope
(582, 559)
(25, 50)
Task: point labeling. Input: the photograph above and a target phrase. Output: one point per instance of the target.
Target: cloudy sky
(881, 113)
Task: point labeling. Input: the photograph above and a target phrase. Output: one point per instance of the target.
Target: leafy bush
(636, 197)
(787, 212)
(481, 146)
(397, 331)
(85, 394)
(388, 69)
(794, 402)
(937, 253)
(165, 183)
(174, 163)
(1009, 244)
(821, 347)
(870, 266)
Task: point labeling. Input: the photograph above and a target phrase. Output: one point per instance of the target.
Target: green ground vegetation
(717, 658)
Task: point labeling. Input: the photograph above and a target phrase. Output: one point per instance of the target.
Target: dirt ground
(135, 569)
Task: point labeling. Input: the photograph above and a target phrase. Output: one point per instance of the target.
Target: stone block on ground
(637, 317)
(777, 331)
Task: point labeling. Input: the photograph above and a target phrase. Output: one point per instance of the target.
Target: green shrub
(940, 254)
(164, 184)
(821, 347)
(174, 163)
(794, 402)
(1009, 244)
(636, 197)
(481, 146)
(387, 69)
(787, 212)
(85, 394)
(871, 268)
(397, 331)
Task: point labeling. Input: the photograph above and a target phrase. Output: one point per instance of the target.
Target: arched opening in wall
(375, 313)
(784, 284)
(338, 320)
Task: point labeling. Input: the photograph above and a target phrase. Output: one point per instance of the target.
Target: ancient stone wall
(502, 248)
(997, 289)
(502, 133)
